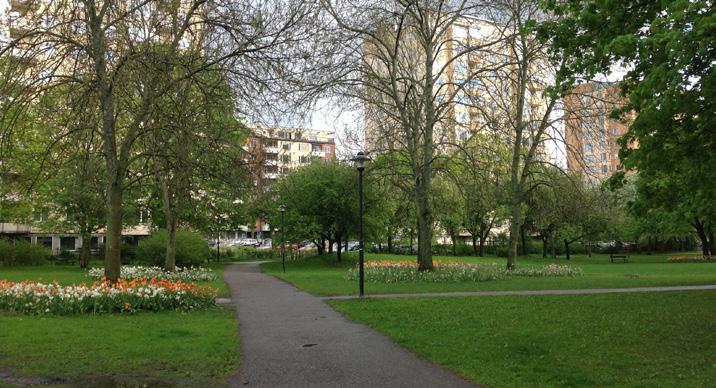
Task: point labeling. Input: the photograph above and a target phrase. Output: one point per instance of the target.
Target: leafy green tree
(668, 50)
(448, 207)
(322, 202)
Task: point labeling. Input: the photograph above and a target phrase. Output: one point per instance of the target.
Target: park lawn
(197, 348)
(73, 274)
(636, 340)
(175, 348)
(323, 276)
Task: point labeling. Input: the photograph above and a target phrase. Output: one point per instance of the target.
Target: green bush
(251, 253)
(192, 249)
(22, 253)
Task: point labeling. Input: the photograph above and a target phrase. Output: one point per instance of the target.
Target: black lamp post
(360, 160)
(282, 209)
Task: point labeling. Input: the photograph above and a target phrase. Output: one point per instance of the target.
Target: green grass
(172, 347)
(73, 274)
(323, 276)
(198, 348)
(635, 340)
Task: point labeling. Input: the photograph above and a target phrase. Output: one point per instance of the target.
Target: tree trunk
(338, 247)
(390, 243)
(474, 244)
(701, 232)
(545, 238)
(712, 244)
(453, 238)
(481, 248)
(85, 250)
(320, 246)
(589, 250)
(523, 240)
(512, 240)
(553, 246)
(330, 246)
(566, 249)
(113, 233)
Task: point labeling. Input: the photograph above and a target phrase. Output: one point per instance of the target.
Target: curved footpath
(290, 338)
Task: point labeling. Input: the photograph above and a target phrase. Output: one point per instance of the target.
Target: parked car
(249, 242)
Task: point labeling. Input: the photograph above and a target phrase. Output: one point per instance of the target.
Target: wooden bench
(623, 258)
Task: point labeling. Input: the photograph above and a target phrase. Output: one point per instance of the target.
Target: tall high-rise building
(590, 134)
(474, 76)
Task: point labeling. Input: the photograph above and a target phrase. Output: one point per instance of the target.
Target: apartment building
(474, 87)
(276, 151)
(590, 134)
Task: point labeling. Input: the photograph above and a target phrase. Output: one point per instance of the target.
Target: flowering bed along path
(387, 271)
(690, 259)
(125, 296)
(186, 274)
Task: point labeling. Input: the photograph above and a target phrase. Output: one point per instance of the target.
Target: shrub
(251, 253)
(22, 253)
(191, 250)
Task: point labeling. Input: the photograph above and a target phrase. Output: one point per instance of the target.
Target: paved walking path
(532, 292)
(290, 338)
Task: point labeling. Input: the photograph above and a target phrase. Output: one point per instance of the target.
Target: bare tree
(412, 63)
(116, 51)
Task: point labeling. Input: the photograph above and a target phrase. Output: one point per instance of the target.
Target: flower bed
(186, 274)
(384, 271)
(690, 259)
(103, 297)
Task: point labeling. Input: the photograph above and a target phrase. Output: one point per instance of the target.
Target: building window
(253, 143)
(316, 148)
(604, 156)
(604, 169)
(615, 131)
(271, 143)
(287, 146)
(271, 156)
(286, 159)
(271, 169)
(304, 159)
(589, 147)
(326, 148)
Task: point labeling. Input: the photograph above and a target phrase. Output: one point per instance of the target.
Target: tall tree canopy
(669, 52)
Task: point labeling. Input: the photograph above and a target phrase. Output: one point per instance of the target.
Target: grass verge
(172, 348)
(644, 340)
(198, 348)
(322, 275)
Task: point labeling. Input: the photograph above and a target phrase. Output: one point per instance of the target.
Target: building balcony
(270, 162)
(271, 150)
(320, 154)
(11, 228)
(271, 175)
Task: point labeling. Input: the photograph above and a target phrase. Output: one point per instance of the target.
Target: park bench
(623, 258)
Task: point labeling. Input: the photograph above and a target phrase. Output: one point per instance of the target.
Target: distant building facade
(272, 153)
(276, 151)
(590, 134)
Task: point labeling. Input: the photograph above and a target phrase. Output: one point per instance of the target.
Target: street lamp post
(360, 160)
(282, 209)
